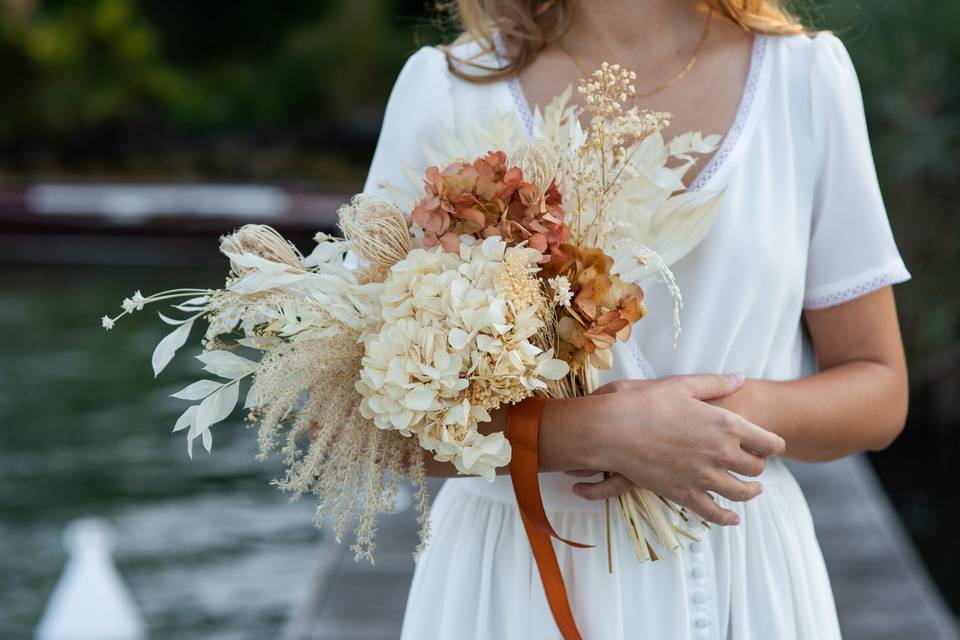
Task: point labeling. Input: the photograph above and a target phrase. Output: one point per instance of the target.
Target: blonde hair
(531, 25)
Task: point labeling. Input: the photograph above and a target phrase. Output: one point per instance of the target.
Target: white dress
(802, 225)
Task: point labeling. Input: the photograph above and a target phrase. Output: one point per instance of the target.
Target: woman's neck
(628, 31)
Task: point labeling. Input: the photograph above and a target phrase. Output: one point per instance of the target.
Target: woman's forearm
(857, 402)
(848, 408)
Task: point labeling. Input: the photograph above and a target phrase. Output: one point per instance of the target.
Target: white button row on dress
(700, 597)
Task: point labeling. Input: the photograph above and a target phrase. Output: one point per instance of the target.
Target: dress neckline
(731, 137)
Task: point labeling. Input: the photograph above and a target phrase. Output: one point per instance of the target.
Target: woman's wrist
(572, 434)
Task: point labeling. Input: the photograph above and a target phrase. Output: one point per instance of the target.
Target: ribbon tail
(552, 579)
(523, 427)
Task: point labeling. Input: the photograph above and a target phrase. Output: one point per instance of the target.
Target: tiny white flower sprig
(136, 302)
(562, 295)
(198, 304)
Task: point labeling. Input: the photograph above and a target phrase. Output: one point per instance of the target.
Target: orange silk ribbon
(523, 428)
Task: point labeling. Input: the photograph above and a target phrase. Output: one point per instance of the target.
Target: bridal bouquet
(511, 273)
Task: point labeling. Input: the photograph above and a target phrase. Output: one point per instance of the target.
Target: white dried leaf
(255, 262)
(214, 408)
(226, 364)
(327, 251)
(264, 281)
(172, 321)
(553, 369)
(189, 308)
(198, 390)
(167, 347)
(186, 418)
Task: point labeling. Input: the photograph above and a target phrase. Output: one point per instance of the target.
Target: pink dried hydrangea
(489, 198)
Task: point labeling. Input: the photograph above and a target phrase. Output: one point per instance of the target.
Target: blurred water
(208, 548)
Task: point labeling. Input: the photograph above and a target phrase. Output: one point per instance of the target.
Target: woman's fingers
(747, 463)
(686, 449)
(759, 440)
(735, 489)
(608, 488)
(713, 386)
(701, 502)
(705, 507)
(581, 473)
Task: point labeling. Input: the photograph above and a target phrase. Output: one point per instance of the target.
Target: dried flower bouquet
(508, 273)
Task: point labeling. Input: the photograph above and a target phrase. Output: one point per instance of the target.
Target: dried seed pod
(377, 230)
(262, 241)
(539, 162)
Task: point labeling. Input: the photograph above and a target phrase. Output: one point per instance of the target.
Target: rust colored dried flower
(489, 198)
(602, 311)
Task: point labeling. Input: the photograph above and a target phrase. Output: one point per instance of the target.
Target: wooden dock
(882, 589)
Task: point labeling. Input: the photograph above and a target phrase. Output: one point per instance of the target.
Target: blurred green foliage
(294, 90)
(164, 87)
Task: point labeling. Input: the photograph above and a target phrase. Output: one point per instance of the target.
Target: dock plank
(881, 587)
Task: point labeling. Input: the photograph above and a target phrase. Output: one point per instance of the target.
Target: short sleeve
(418, 110)
(418, 103)
(852, 251)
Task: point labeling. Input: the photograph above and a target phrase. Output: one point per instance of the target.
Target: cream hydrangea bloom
(458, 338)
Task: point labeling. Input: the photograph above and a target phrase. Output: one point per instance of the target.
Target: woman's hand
(664, 435)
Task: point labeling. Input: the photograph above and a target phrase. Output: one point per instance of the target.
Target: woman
(801, 241)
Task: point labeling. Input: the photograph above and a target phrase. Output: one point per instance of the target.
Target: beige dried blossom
(377, 231)
(262, 241)
(539, 162)
(460, 337)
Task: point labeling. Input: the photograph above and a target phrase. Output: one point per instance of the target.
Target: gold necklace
(669, 83)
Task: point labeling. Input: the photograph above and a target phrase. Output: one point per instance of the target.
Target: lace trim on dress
(513, 83)
(757, 55)
(523, 107)
(641, 360)
(860, 289)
